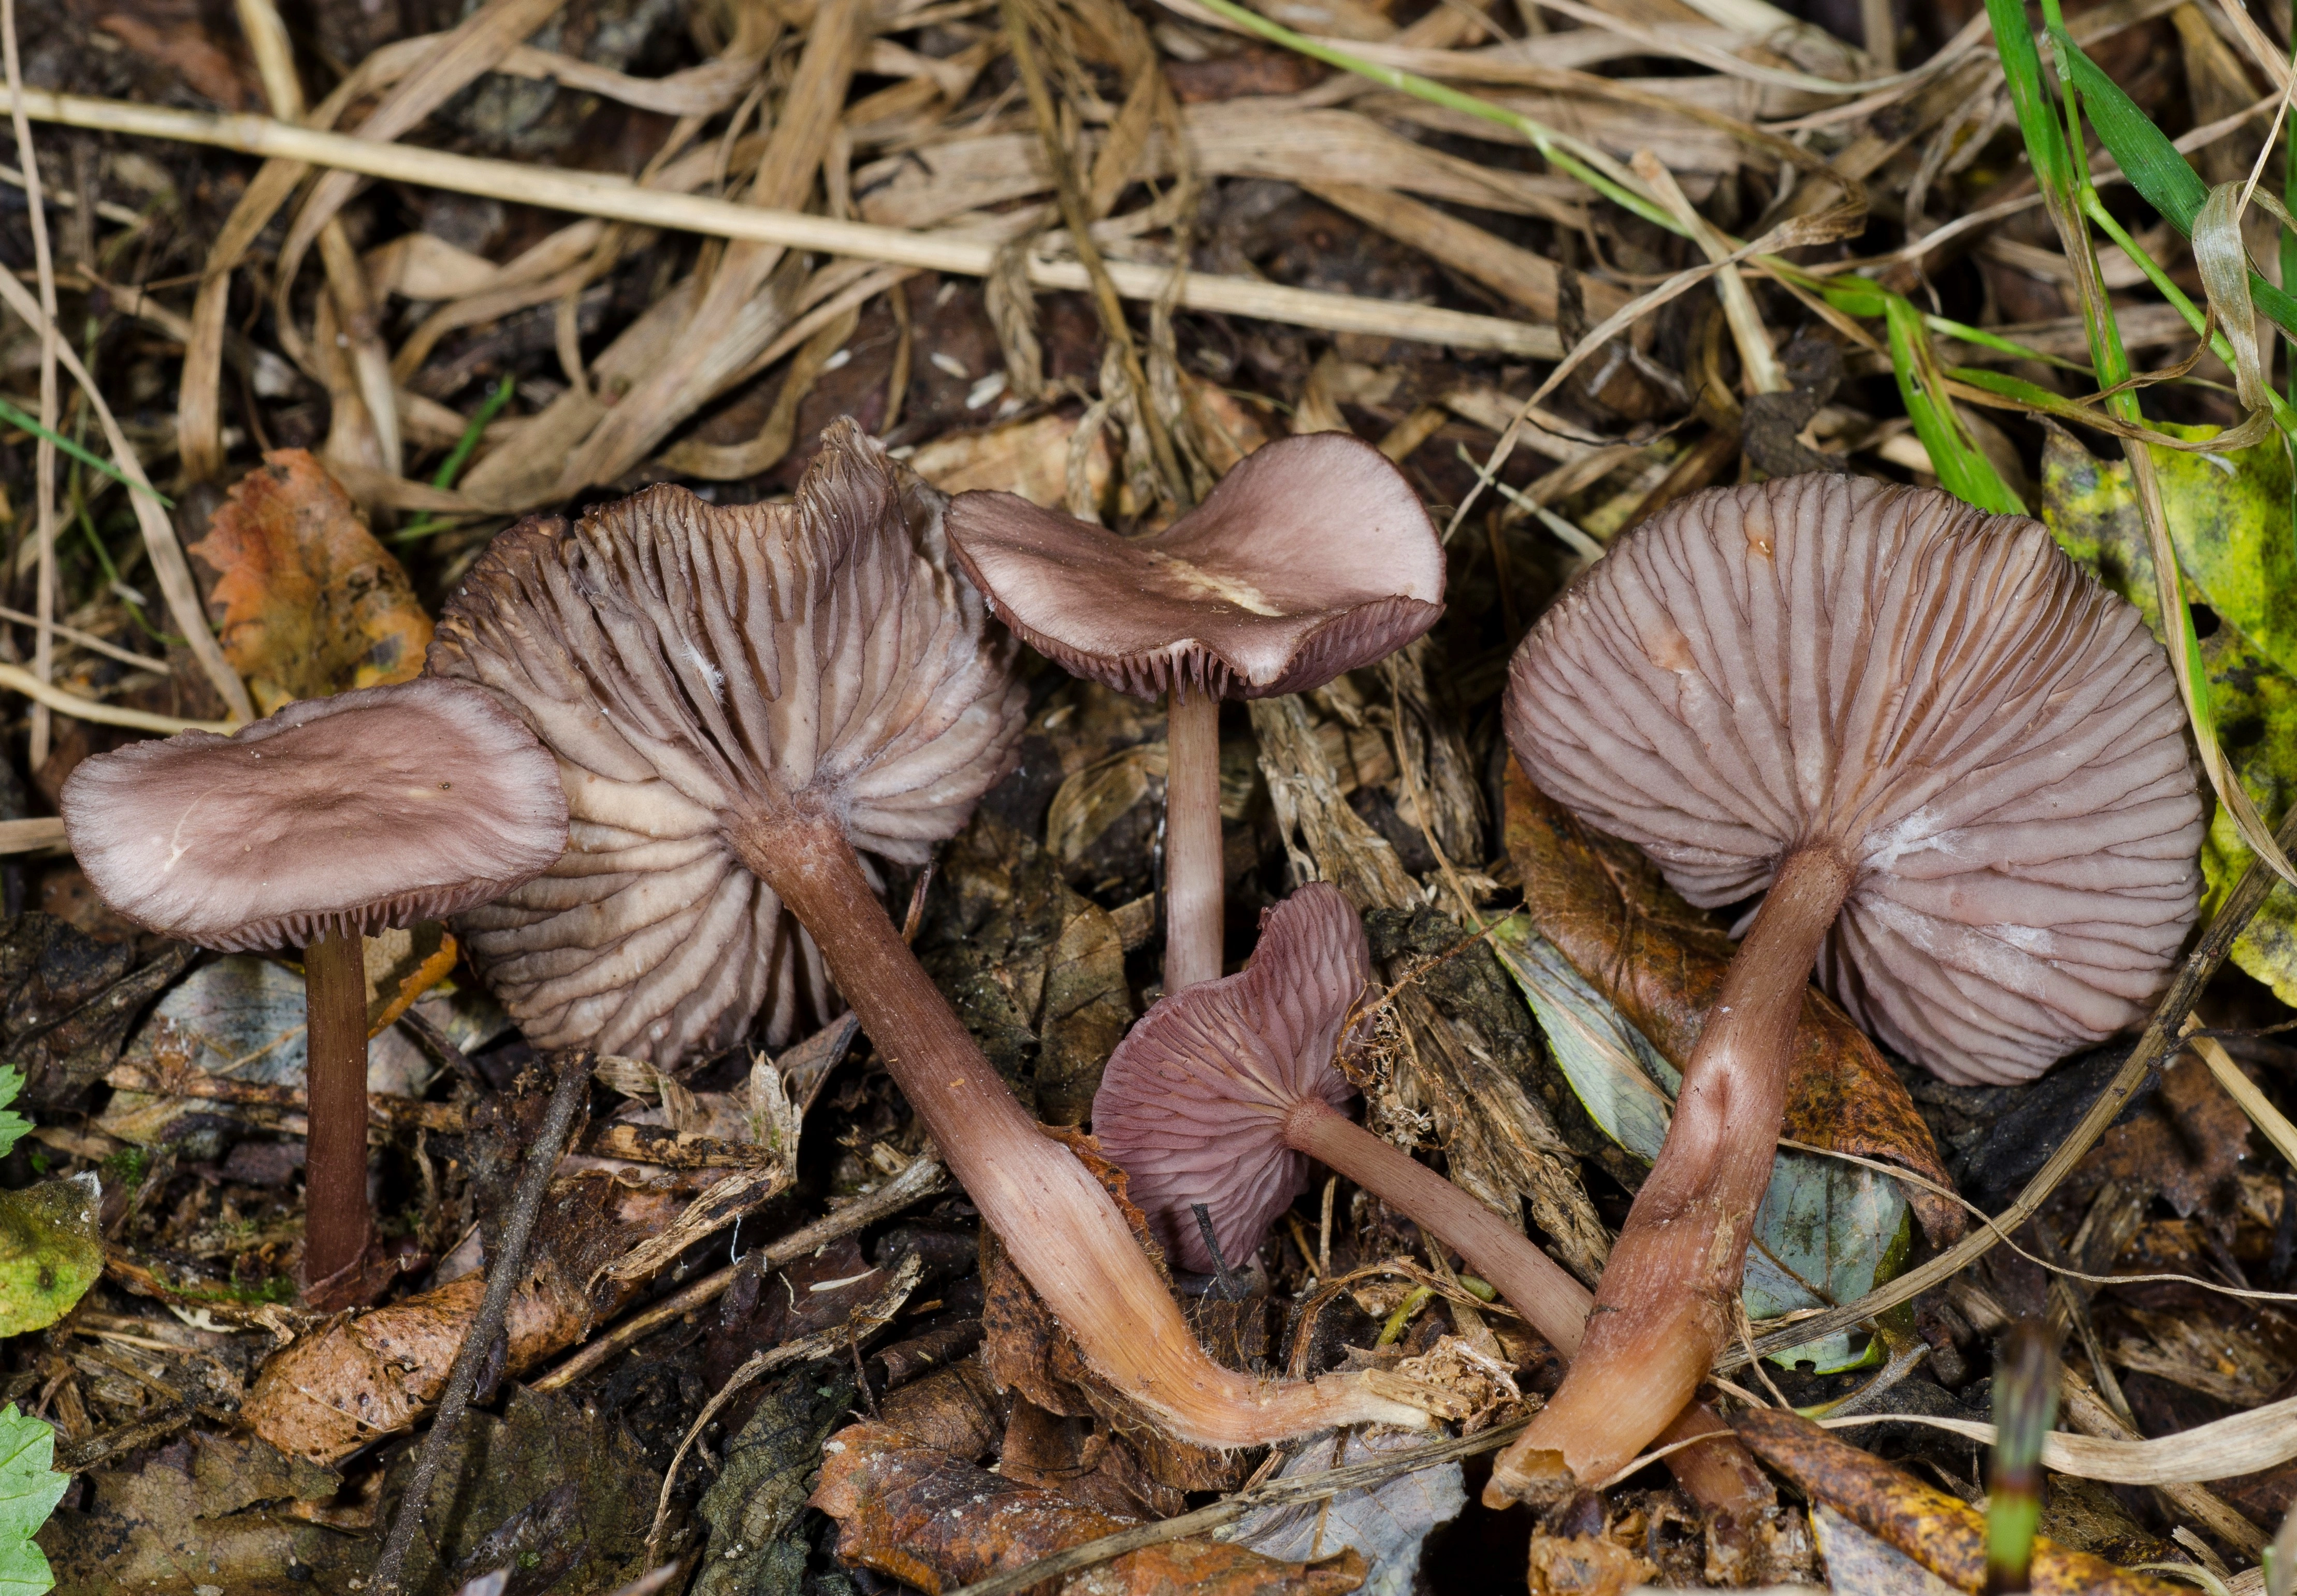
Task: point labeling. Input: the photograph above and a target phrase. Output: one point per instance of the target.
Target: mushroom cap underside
(1312, 556)
(1193, 1103)
(373, 808)
(697, 669)
(1992, 738)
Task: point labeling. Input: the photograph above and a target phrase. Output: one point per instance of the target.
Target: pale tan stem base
(1719, 1475)
(1663, 1308)
(1063, 1231)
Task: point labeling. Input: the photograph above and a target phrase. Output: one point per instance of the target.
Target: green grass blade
(1963, 469)
(2158, 169)
(2029, 94)
(17, 418)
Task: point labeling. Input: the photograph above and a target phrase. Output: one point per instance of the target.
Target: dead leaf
(1386, 1523)
(377, 1373)
(1027, 457)
(306, 602)
(67, 1001)
(934, 1521)
(556, 1490)
(207, 1511)
(1942, 1532)
(1605, 907)
(752, 1507)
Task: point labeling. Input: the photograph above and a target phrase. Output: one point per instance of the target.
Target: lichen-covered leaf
(2229, 516)
(51, 1251)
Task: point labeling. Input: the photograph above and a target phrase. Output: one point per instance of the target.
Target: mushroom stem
(1062, 1228)
(1194, 889)
(1533, 1284)
(1718, 1474)
(334, 1169)
(1664, 1306)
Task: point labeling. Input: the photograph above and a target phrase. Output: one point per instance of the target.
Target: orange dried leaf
(306, 602)
(937, 1522)
(1661, 962)
(369, 1375)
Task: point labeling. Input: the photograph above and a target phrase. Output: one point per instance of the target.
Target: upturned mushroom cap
(1993, 740)
(1311, 558)
(697, 669)
(1193, 1103)
(375, 808)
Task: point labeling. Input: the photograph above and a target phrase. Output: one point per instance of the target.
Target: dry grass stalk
(44, 455)
(168, 566)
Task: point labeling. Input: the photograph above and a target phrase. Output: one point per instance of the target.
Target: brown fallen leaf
(1028, 458)
(373, 1374)
(306, 602)
(1942, 1532)
(934, 1521)
(1606, 909)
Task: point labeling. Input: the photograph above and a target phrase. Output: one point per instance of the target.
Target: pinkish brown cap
(695, 669)
(1313, 557)
(1192, 1104)
(375, 808)
(1993, 739)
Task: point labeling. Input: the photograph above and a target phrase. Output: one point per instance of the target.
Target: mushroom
(1955, 769)
(1312, 557)
(332, 818)
(740, 699)
(1222, 1094)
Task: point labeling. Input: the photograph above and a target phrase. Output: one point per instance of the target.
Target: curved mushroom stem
(1194, 887)
(334, 1167)
(1718, 1474)
(1663, 1308)
(1062, 1228)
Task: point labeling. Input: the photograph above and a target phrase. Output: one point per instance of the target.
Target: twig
(595, 193)
(566, 1105)
(871, 1315)
(2161, 1035)
(922, 1179)
(1276, 1493)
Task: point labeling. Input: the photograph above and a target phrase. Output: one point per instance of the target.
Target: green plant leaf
(2229, 521)
(1827, 1233)
(1962, 468)
(2156, 168)
(13, 1126)
(30, 1490)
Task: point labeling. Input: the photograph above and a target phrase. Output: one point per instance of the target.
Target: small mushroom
(1955, 768)
(740, 699)
(1222, 1094)
(1313, 557)
(335, 818)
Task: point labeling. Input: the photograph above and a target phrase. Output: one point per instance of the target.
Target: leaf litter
(346, 393)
